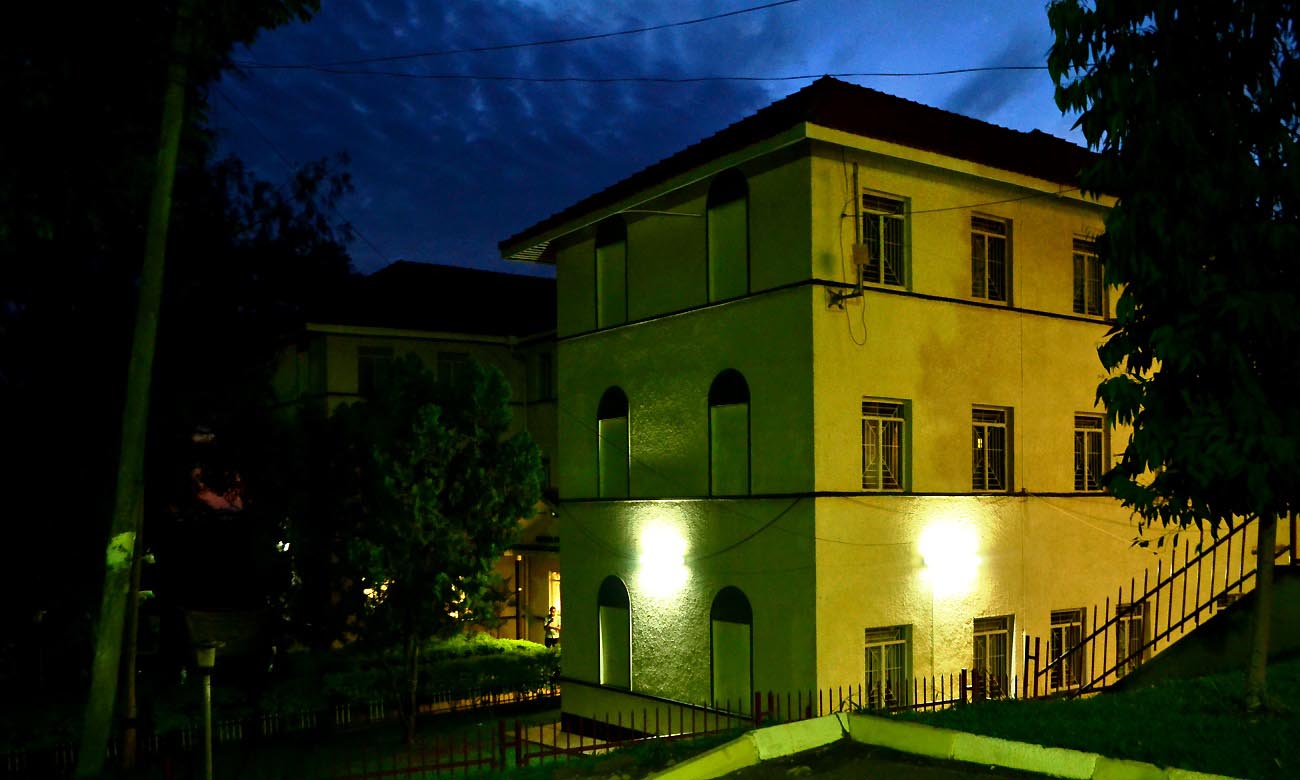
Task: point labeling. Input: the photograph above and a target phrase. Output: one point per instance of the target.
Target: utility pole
(128, 503)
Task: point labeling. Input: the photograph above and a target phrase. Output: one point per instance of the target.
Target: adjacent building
(827, 409)
(448, 316)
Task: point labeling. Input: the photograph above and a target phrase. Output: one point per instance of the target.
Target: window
(611, 273)
(728, 236)
(374, 365)
(889, 662)
(453, 367)
(989, 258)
(990, 452)
(992, 664)
(731, 622)
(729, 435)
(1063, 646)
(1089, 451)
(882, 445)
(1089, 291)
(615, 633)
(1130, 637)
(882, 236)
(612, 445)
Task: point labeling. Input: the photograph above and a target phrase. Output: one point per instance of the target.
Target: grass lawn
(1197, 724)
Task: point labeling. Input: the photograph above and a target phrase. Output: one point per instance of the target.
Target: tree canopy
(1193, 108)
(440, 489)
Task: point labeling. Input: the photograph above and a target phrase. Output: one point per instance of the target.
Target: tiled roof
(446, 299)
(862, 111)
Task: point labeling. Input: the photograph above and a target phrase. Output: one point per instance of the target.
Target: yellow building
(448, 316)
(827, 410)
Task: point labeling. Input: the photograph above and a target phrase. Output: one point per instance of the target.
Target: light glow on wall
(950, 556)
(662, 571)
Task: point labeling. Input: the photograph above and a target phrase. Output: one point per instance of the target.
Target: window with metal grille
(882, 444)
(1064, 647)
(992, 662)
(990, 449)
(1089, 291)
(1130, 637)
(989, 258)
(1089, 451)
(889, 662)
(883, 232)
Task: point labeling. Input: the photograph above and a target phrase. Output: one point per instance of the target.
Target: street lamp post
(205, 654)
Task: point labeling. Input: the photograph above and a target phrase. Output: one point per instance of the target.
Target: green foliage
(1186, 723)
(1193, 107)
(440, 492)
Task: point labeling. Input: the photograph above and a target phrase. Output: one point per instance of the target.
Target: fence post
(758, 709)
(1038, 648)
(961, 682)
(1024, 678)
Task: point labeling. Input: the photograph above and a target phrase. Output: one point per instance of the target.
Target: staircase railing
(1130, 631)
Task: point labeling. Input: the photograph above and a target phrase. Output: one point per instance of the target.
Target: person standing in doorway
(552, 628)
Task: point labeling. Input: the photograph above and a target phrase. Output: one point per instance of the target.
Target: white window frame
(1066, 639)
(996, 682)
(987, 232)
(1130, 627)
(881, 215)
(884, 420)
(1090, 452)
(983, 420)
(1089, 280)
(888, 681)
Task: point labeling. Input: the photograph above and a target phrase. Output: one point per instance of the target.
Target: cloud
(984, 94)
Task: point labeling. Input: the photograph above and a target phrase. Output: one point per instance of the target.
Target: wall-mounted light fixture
(662, 570)
(950, 556)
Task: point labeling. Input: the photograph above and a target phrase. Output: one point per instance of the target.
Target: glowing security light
(663, 561)
(950, 552)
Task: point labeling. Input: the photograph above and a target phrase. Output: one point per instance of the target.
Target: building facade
(827, 409)
(447, 316)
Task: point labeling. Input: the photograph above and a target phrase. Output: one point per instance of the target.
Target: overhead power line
(524, 44)
(399, 74)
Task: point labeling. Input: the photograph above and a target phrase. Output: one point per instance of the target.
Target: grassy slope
(1193, 724)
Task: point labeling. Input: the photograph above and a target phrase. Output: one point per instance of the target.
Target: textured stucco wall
(670, 626)
(665, 367)
(666, 243)
(1029, 555)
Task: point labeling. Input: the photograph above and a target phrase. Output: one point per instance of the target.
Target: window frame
(987, 628)
(451, 366)
(880, 639)
(985, 227)
(873, 207)
(1084, 258)
(1130, 619)
(1090, 463)
(871, 408)
(1065, 638)
(980, 476)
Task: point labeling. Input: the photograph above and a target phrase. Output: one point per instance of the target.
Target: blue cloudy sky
(446, 167)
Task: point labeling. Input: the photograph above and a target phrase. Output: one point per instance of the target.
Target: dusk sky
(444, 167)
